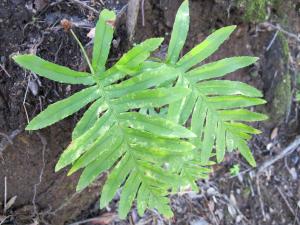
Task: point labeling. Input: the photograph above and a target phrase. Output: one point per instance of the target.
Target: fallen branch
(132, 15)
(5, 71)
(288, 150)
(279, 28)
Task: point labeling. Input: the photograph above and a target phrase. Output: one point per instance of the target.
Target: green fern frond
(136, 123)
(110, 135)
(213, 104)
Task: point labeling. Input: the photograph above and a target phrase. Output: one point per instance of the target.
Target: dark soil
(45, 197)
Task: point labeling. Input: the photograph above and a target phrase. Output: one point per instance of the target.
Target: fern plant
(216, 107)
(150, 154)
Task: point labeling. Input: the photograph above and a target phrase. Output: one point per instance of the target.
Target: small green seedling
(137, 122)
(235, 170)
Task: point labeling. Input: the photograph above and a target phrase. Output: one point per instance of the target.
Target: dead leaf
(66, 24)
(91, 34)
(10, 203)
(274, 133)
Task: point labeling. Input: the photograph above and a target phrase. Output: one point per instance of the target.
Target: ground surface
(27, 159)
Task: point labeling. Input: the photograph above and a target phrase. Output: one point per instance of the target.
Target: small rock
(239, 218)
(231, 211)
(269, 146)
(199, 221)
(293, 173)
(33, 87)
(211, 192)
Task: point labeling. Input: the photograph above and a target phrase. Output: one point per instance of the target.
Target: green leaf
(53, 71)
(241, 115)
(102, 41)
(220, 142)
(150, 98)
(162, 205)
(115, 179)
(175, 109)
(128, 194)
(205, 49)
(100, 148)
(188, 107)
(130, 61)
(111, 75)
(179, 33)
(231, 102)
(242, 127)
(246, 152)
(209, 137)
(89, 118)
(226, 87)
(148, 66)
(105, 160)
(81, 144)
(198, 119)
(61, 109)
(155, 125)
(139, 53)
(143, 81)
(220, 68)
(142, 199)
(146, 139)
(158, 154)
(160, 174)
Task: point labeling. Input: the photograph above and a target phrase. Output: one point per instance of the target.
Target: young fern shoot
(149, 154)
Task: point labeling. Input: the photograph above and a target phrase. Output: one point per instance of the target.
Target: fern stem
(83, 51)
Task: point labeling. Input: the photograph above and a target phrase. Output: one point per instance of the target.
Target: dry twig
(288, 150)
(5, 71)
(84, 5)
(132, 14)
(279, 28)
(272, 41)
(5, 194)
(262, 207)
(288, 205)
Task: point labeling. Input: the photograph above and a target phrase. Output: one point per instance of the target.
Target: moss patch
(278, 80)
(282, 99)
(285, 47)
(256, 10)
